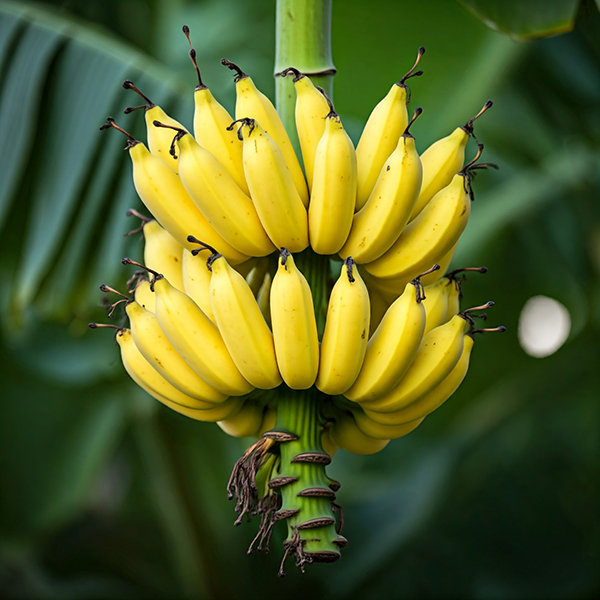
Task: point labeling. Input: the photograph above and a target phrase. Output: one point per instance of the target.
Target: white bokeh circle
(544, 326)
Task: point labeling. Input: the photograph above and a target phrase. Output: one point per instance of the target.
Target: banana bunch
(264, 280)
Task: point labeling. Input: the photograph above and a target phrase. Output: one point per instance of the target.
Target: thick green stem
(315, 268)
(307, 493)
(302, 40)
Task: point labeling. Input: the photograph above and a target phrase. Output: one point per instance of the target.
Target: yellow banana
(390, 289)
(240, 322)
(381, 134)
(346, 332)
(263, 297)
(161, 190)
(163, 253)
(159, 352)
(380, 222)
(211, 120)
(196, 280)
(230, 212)
(345, 434)
(432, 234)
(379, 306)
(246, 422)
(145, 297)
(276, 200)
(256, 276)
(438, 395)
(197, 340)
(392, 347)
(141, 371)
(437, 355)
(250, 102)
(269, 420)
(383, 432)
(442, 160)
(159, 141)
(311, 108)
(333, 192)
(294, 325)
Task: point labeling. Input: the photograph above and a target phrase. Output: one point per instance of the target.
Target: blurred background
(106, 494)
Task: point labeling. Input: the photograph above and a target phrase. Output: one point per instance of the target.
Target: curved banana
(250, 102)
(433, 233)
(333, 192)
(196, 280)
(211, 120)
(383, 432)
(244, 330)
(311, 108)
(163, 194)
(269, 420)
(263, 297)
(145, 297)
(159, 142)
(442, 160)
(272, 189)
(379, 306)
(159, 352)
(197, 340)
(163, 253)
(146, 376)
(346, 332)
(294, 325)
(381, 134)
(380, 222)
(246, 422)
(435, 303)
(345, 434)
(437, 355)
(433, 399)
(230, 212)
(392, 347)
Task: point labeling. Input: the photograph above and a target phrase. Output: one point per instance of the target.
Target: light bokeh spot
(544, 326)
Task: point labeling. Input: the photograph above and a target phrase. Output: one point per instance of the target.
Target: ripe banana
(251, 102)
(311, 108)
(159, 142)
(380, 222)
(345, 434)
(163, 253)
(263, 298)
(272, 189)
(196, 280)
(433, 399)
(161, 190)
(438, 395)
(383, 432)
(435, 303)
(244, 330)
(159, 352)
(246, 422)
(197, 340)
(211, 120)
(437, 355)
(145, 297)
(141, 371)
(442, 160)
(432, 234)
(219, 198)
(333, 192)
(392, 347)
(294, 325)
(346, 332)
(381, 134)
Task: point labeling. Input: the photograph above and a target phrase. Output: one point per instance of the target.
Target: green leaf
(525, 20)
(62, 79)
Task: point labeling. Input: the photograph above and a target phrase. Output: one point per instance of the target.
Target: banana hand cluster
(263, 278)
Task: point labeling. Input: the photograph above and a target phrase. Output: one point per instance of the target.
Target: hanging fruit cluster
(224, 325)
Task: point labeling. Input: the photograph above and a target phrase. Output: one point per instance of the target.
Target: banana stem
(315, 268)
(307, 496)
(303, 41)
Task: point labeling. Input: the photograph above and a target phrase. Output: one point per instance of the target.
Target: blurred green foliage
(104, 494)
